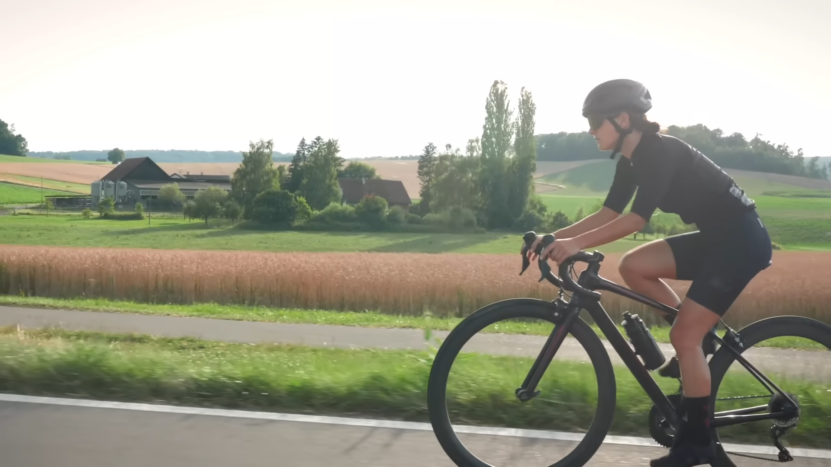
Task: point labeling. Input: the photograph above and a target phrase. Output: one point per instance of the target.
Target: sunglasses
(596, 121)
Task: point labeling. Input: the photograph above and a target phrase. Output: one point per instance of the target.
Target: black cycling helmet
(618, 95)
(610, 98)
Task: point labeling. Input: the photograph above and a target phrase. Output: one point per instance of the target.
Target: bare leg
(643, 268)
(693, 323)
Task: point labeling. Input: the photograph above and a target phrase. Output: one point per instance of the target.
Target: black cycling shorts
(722, 259)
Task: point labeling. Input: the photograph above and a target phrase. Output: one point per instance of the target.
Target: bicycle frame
(567, 312)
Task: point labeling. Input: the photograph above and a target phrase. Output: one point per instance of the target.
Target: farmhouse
(353, 191)
(139, 179)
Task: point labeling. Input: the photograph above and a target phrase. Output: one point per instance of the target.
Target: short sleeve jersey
(672, 175)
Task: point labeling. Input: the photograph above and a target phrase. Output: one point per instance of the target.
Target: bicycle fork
(564, 317)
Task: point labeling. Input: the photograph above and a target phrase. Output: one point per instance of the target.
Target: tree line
(12, 144)
(493, 179)
(274, 195)
(732, 151)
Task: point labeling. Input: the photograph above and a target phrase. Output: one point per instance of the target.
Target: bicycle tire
(519, 308)
(768, 328)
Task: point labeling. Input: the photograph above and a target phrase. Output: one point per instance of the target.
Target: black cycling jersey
(672, 175)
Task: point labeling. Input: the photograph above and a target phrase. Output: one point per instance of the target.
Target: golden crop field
(396, 283)
(74, 173)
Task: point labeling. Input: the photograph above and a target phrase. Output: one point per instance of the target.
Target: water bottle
(644, 342)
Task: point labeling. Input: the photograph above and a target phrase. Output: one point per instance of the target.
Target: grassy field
(387, 384)
(171, 233)
(368, 319)
(569, 204)
(595, 180)
(38, 160)
(14, 194)
(47, 183)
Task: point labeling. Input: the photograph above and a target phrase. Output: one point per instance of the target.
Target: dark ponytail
(640, 123)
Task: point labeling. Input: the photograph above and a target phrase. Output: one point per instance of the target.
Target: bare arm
(588, 223)
(619, 228)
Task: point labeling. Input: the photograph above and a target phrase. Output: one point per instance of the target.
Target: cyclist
(729, 248)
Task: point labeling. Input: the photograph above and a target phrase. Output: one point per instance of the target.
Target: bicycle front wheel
(476, 410)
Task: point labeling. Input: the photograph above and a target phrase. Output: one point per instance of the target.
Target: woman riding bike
(731, 246)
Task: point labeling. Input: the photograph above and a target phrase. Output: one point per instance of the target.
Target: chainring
(660, 430)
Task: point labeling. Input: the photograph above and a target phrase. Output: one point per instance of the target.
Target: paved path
(49, 435)
(807, 365)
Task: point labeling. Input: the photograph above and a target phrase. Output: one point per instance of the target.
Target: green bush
(279, 207)
(123, 216)
(232, 210)
(106, 206)
(397, 215)
(86, 213)
(454, 219)
(335, 212)
(434, 219)
(189, 209)
(459, 218)
(414, 219)
(529, 220)
(371, 210)
(556, 221)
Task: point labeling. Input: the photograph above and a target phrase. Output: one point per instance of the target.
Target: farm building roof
(123, 169)
(354, 189)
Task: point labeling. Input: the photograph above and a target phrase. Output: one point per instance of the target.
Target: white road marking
(392, 424)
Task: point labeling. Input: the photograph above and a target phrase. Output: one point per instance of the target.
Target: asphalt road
(799, 364)
(34, 435)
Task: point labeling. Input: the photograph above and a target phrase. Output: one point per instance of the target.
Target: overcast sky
(387, 77)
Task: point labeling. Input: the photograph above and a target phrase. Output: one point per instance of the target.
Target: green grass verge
(339, 318)
(384, 384)
(13, 194)
(170, 233)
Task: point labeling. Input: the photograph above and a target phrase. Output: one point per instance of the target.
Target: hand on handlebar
(564, 251)
(559, 251)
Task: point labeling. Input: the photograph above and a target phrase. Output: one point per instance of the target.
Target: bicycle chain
(749, 456)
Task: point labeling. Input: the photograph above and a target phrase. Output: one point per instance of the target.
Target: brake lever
(528, 240)
(545, 268)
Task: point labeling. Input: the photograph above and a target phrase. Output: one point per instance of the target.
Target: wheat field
(396, 283)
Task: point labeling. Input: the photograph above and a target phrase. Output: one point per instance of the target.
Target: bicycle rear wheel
(792, 352)
(493, 401)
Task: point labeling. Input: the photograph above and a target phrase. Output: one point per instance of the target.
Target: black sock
(698, 419)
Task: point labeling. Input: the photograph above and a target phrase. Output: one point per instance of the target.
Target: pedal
(670, 369)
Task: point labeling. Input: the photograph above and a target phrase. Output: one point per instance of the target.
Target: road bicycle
(781, 408)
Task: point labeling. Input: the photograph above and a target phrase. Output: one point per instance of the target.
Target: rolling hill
(595, 179)
(574, 178)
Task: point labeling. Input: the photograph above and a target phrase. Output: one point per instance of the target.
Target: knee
(628, 267)
(684, 340)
